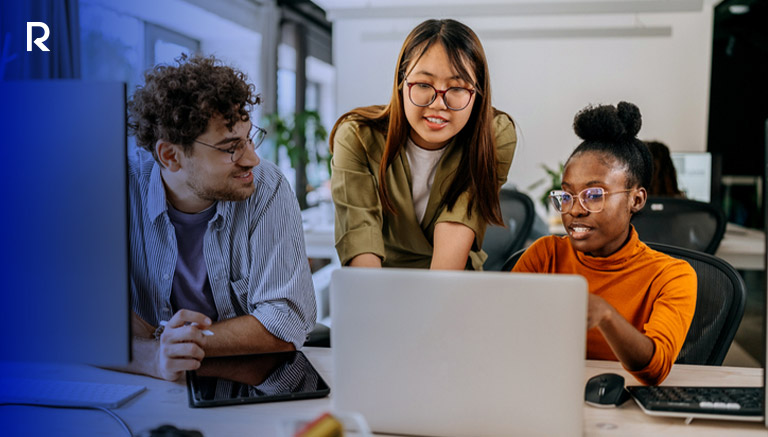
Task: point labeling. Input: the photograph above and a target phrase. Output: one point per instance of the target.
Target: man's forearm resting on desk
(182, 345)
(243, 335)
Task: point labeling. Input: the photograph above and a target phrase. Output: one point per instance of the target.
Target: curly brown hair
(177, 101)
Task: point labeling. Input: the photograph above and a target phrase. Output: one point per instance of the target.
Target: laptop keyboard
(734, 401)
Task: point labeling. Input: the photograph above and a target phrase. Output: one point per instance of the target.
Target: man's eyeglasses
(423, 94)
(237, 149)
(591, 199)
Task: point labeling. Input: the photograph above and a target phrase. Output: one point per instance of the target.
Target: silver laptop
(444, 353)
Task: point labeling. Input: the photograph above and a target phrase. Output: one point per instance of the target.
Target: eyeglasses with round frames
(592, 199)
(423, 94)
(237, 150)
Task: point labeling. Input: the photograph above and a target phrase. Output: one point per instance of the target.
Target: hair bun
(606, 123)
(630, 117)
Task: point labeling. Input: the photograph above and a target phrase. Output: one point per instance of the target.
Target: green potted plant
(293, 132)
(552, 181)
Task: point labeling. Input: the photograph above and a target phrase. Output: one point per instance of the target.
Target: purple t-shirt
(191, 289)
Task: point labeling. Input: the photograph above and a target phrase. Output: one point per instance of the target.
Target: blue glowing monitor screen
(694, 174)
(64, 237)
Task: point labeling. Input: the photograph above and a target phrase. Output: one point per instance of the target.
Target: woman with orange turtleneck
(641, 302)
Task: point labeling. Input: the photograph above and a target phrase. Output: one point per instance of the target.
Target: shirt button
(165, 276)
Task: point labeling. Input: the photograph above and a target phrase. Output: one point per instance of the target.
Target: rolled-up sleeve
(281, 294)
(354, 189)
(669, 322)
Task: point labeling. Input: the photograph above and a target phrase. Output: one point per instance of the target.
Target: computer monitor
(694, 174)
(63, 231)
(765, 277)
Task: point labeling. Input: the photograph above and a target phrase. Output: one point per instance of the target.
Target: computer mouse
(605, 391)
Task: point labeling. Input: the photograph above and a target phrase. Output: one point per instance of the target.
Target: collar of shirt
(157, 202)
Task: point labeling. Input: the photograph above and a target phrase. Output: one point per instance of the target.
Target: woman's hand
(598, 311)
(633, 348)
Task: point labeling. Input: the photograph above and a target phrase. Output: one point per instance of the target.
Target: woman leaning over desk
(415, 182)
(641, 301)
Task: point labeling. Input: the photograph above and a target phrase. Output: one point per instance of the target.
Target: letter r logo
(38, 41)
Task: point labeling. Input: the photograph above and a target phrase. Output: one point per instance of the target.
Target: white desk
(166, 403)
(743, 248)
(319, 239)
(318, 232)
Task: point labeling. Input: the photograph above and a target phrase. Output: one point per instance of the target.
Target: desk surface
(166, 403)
(743, 248)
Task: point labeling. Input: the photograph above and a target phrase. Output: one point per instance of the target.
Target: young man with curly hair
(218, 264)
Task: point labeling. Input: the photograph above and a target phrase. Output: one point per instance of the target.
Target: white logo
(38, 41)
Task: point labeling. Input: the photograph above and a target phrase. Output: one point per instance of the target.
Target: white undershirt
(423, 165)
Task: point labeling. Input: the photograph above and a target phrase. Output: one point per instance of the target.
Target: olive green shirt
(401, 240)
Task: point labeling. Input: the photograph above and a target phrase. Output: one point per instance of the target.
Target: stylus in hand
(206, 332)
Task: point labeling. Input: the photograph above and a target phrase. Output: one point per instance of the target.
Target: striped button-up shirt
(254, 252)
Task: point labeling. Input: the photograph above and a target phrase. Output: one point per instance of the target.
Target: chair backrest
(518, 213)
(512, 260)
(721, 297)
(681, 222)
(720, 306)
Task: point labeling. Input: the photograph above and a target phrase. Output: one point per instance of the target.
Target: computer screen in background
(765, 277)
(694, 174)
(63, 230)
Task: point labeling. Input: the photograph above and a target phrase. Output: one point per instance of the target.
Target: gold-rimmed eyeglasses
(592, 199)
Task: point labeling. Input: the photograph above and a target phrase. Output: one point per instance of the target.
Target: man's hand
(181, 344)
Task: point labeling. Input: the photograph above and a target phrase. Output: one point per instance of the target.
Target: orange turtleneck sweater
(653, 291)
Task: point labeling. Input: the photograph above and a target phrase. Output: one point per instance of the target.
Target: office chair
(320, 336)
(512, 260)
(720, 305)
(518, 213)
(682, 223)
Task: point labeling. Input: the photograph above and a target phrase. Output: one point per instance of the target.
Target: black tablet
(244, 379)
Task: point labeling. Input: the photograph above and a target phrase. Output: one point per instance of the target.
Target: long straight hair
(664, 179)
(477, 170)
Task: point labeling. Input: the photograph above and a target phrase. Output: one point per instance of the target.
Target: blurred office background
(698, 70)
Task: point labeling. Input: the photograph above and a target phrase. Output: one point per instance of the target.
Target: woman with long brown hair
(664, 180)
(416, 182)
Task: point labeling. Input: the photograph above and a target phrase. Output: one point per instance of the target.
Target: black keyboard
(729, 401)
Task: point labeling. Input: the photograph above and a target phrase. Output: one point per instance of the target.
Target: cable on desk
(106, 410)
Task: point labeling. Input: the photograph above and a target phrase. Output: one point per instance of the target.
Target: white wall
(543, 82)
(229, 41)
